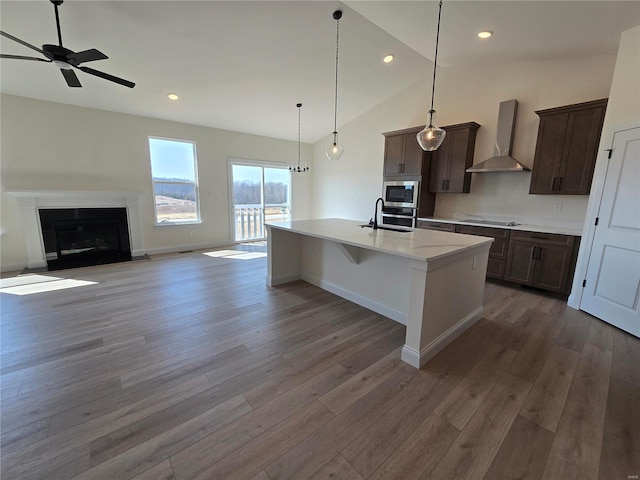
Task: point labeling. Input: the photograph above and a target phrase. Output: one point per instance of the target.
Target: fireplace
(79, 237)
(31, 203)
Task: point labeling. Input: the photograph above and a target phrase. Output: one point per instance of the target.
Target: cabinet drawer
(443, 227)
(484, 231)
(500, 244)
(548, 238)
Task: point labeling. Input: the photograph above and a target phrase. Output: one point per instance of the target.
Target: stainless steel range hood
(502, 161)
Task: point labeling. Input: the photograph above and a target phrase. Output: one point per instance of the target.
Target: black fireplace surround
(79, 237)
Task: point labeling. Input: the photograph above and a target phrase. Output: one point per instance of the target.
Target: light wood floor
(189, 366)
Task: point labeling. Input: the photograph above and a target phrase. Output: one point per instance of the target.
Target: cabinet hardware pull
(560, 183)
(447, 184)
(443, 184)
(539, 237)
(533, 253)
(553, 184)
(539, 253)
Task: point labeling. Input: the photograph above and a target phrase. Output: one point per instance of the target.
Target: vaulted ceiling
(243, 65)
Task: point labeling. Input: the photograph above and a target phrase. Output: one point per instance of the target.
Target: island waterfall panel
(79, 237)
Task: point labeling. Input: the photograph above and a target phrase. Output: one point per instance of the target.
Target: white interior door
(612, 290)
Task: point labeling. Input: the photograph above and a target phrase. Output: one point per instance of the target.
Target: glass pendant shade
(334, 151)
(431, 136)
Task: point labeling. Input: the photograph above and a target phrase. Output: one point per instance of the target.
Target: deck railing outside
(248, 219)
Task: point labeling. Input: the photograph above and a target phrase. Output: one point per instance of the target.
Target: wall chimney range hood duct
(502, 161)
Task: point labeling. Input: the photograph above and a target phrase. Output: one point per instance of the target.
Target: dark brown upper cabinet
(566, 149)
(402, 154)
(451, 160)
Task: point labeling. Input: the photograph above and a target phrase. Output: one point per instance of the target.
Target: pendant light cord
(337, 14)
(299, 105)
(435, 63)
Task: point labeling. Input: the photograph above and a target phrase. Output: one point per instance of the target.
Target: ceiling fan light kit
(66, 60)
(431, 137)
(334, 151)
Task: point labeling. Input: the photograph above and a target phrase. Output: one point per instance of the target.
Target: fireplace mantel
(29, 202)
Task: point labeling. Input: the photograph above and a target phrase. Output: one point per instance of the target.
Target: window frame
(195, 183)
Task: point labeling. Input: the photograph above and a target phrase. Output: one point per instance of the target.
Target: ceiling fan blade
(70, 77)
(21, 57)
(86, 56)
(106, 76)
(22, 42)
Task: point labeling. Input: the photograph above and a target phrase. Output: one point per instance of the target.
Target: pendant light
(334, 151)
(431, 137)
(298, 168)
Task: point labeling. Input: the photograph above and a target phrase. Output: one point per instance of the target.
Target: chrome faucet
(375, 213)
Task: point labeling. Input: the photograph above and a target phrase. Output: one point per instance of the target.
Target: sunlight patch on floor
(235, 254)
(29, 284)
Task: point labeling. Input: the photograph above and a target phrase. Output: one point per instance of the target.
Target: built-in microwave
(400, 194)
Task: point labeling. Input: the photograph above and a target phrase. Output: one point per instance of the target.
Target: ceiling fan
(66, 59)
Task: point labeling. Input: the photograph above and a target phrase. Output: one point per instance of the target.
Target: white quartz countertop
(527, 227)
(417, 244)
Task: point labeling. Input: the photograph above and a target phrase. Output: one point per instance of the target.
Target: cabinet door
(458, 180)
(439, 163)
(412, 155)
(580, 151)
(553, 264)
(549, 147)
(521, 262)
(495, 268)
(393, 149)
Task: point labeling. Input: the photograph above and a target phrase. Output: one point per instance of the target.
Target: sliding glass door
(261, 193)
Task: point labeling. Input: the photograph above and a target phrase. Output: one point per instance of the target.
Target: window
(260, 193)
(175, 181)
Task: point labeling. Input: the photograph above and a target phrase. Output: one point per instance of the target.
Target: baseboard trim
(365, 302)
(182, 248)
(417, 358)
(281, 279)
(13, 267)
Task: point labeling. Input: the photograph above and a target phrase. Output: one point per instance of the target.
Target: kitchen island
(431, 281)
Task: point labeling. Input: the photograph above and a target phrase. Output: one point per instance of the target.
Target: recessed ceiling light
(485, 34)
(388, 58)
(172, 96)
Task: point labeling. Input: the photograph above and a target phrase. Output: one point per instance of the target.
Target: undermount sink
(380, 227)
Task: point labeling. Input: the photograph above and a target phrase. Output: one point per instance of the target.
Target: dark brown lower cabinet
(498, 251)
(545, 261)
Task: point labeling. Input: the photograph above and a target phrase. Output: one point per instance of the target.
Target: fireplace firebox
(80, 237)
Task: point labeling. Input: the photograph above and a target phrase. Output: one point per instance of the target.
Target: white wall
(50, 146)
(623, 111)
(349, 187)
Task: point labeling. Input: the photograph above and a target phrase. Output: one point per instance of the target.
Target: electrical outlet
(190, 235)
(557, 208)
(474, 263)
